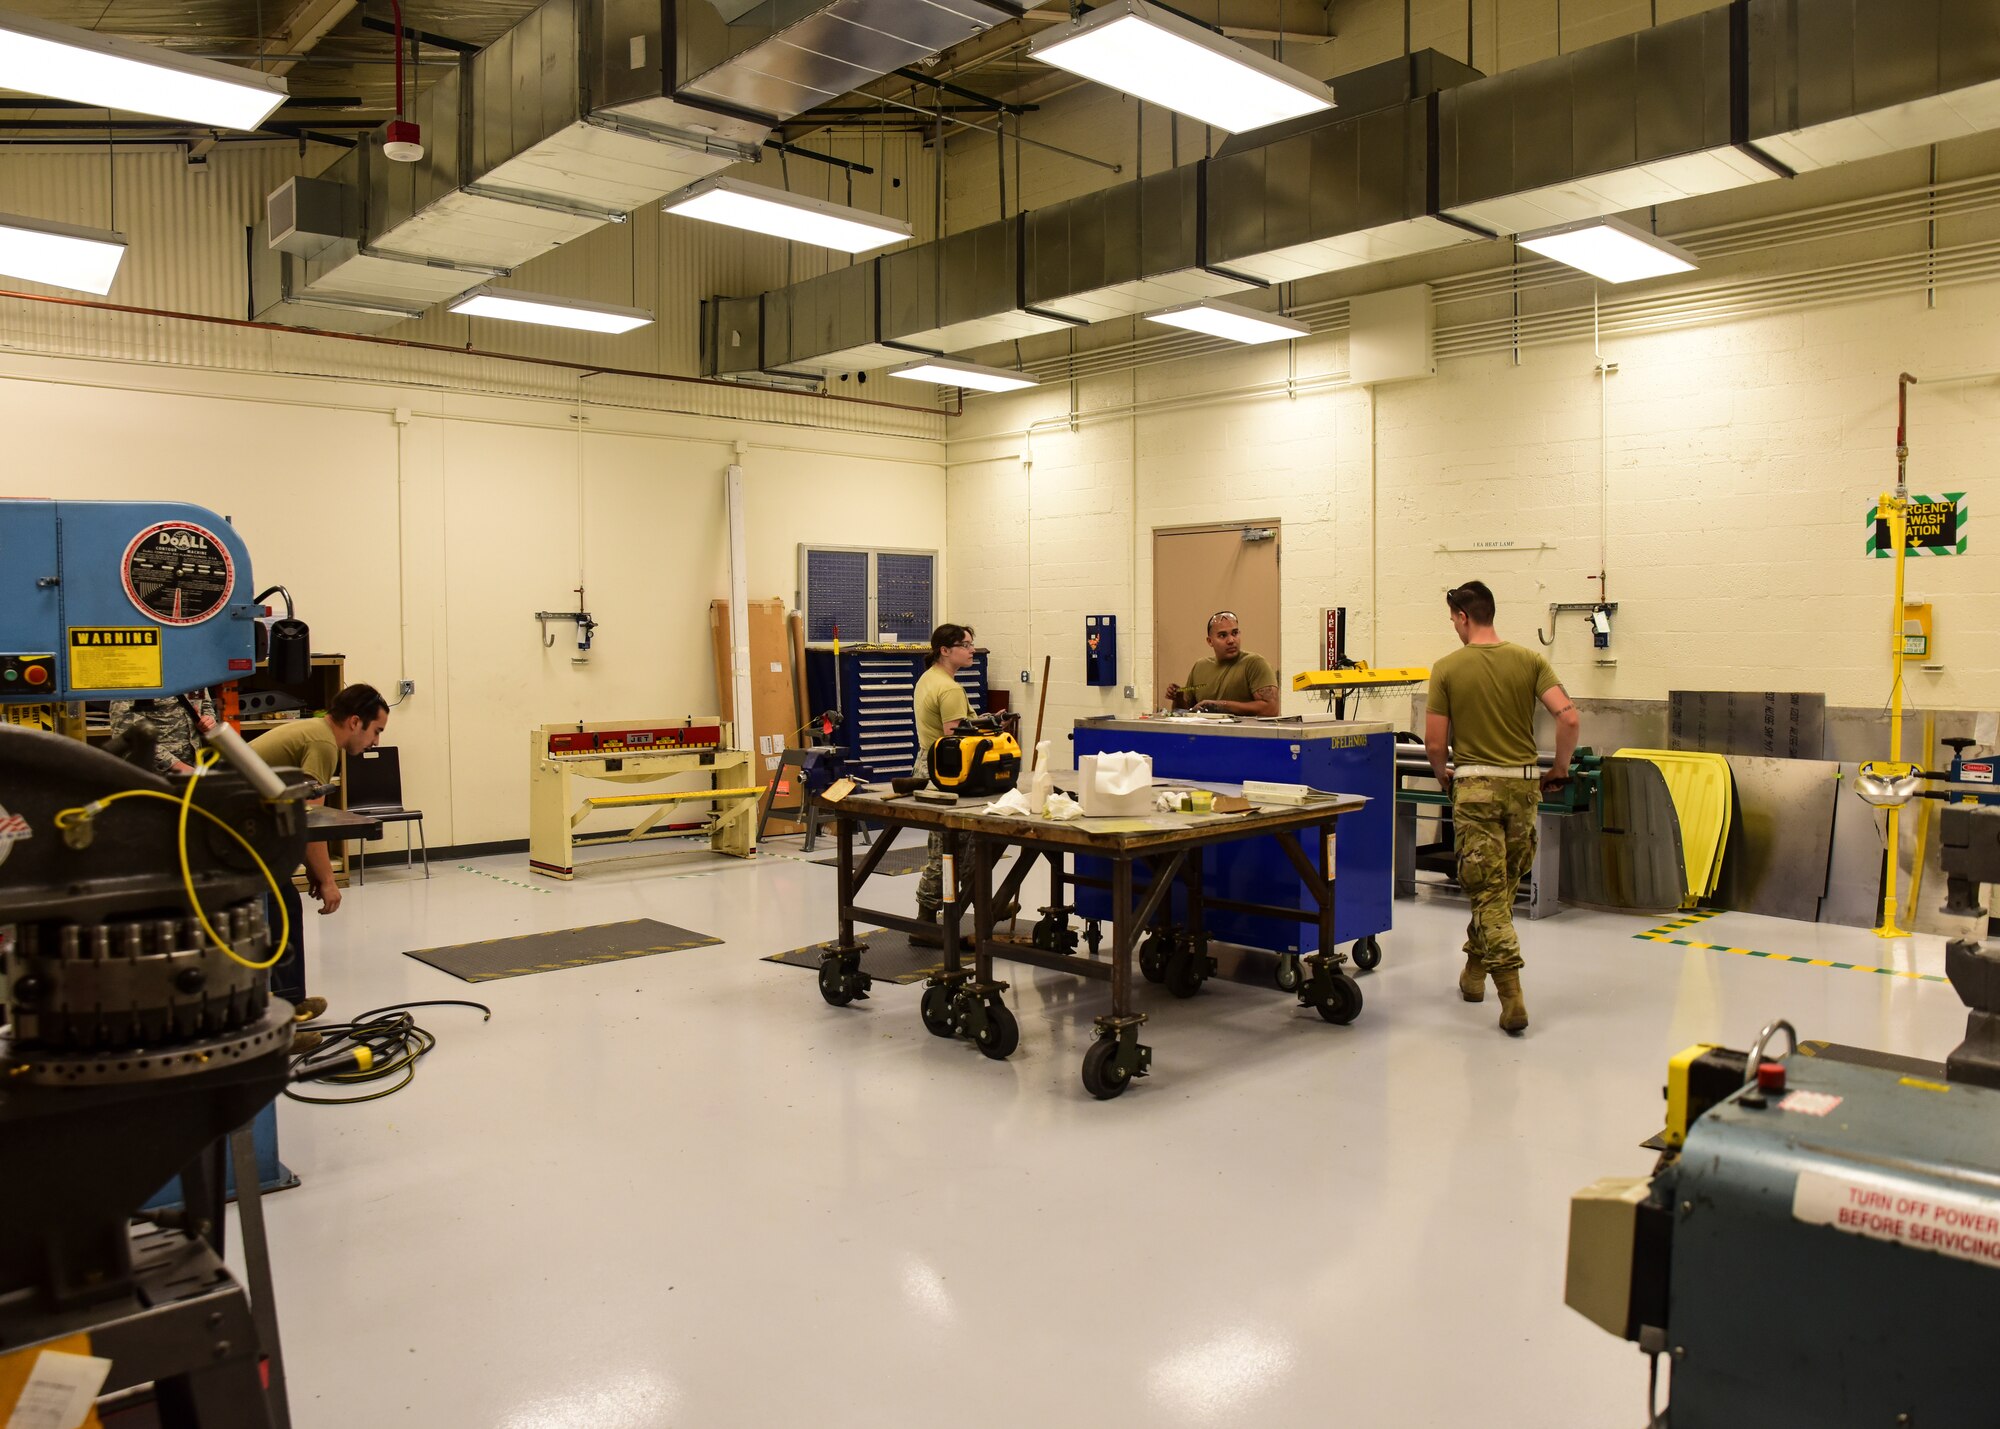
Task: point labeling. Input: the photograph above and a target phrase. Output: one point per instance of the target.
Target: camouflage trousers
(1493, 824)
(930, 883)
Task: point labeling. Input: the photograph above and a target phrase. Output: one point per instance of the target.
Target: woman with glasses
(940, 705)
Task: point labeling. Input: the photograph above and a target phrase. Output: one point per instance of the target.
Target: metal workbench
(968, 1002)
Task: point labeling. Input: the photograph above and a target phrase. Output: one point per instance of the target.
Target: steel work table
(968, 1002)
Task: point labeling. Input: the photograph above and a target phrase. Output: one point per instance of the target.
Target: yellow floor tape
(1665, 934)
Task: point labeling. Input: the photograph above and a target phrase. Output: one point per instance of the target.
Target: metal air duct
(1424, 154)
(583, 112)
(1834, 81)
(1639, 120)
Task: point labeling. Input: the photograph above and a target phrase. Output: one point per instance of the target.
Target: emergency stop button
(37, 674)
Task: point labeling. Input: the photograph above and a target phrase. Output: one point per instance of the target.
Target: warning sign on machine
(114, 657)
(1909, 1213)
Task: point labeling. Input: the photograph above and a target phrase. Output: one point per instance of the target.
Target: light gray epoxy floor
(684, 1191)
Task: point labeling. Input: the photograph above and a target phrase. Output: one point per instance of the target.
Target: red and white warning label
(1979, 773)
(1909, 1213)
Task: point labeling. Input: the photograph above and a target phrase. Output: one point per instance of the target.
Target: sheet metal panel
(1778, 853)
(1770, 723)
(1854, 863)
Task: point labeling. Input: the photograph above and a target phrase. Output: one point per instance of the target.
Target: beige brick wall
(1741, 457)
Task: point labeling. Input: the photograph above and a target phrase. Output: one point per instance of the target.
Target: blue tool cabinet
(875, 688)
(1338, 756)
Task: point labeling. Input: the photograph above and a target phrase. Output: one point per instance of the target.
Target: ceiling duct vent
(308, 216)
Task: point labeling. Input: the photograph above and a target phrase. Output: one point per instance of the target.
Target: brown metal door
(1200, 571)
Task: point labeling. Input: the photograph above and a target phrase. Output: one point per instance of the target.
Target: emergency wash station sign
(1911, 1213)
(1936, 527)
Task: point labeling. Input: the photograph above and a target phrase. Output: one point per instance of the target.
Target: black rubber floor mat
(890, 957)
(565, 948)
(895, 861)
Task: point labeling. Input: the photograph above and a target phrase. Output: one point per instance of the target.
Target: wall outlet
(1024, 677)
(405, 688)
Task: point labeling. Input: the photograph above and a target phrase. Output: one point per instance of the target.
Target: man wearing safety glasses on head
(1230, 681)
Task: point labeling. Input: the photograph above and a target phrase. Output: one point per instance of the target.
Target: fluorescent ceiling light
(787, 215)
(950, 372)
(1610, 249)
(105, 71)
(1174, 62)
(1231, 321)
(85, 259)
(548, 311)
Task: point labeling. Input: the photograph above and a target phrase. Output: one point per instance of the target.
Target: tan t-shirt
(1489, 693)
(1240, 679)
(940, 700)
(306, 744)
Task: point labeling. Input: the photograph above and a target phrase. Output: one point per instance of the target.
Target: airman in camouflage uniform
(1479, 731)
(178, 737)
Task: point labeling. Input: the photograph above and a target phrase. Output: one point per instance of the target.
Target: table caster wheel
(1187, 968)
(841, 980)
(1048, 928)
(1367, 953)
(936, 1010)
(1343, 1002)
(1153, 951)
(1093, 935)
(1000, 1034)
(1103, 1076)
(1289, 974)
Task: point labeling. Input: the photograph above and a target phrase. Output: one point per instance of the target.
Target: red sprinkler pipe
(396, 11)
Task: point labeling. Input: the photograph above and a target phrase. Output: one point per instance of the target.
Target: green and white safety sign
(1936, 527)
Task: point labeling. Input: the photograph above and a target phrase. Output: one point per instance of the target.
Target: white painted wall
(423, 551)
(1741, 459)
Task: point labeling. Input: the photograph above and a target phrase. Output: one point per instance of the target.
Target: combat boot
(1513, 1011)
(1472, 982)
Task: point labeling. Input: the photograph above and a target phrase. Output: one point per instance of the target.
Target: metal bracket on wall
(1585, 607)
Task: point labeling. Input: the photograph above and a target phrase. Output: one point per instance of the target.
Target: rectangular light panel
(1609, 248)
(547, 311)
(786, 215)
(62, 62)
(1180, 65)
(1231, 322)
(948, 372)
(85, 259)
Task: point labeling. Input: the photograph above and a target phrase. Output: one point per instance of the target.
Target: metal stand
(184, 1325)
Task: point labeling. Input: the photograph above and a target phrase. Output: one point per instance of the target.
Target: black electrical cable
(394, 1041)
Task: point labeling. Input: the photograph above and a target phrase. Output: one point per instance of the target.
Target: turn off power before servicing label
(1910, 1213)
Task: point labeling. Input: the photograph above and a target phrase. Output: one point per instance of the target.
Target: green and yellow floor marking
(510, 882)
(1665, 934)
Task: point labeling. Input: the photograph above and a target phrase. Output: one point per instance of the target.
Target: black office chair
(375, 788)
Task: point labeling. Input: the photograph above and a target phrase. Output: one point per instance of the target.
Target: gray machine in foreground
(1820, 1244)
